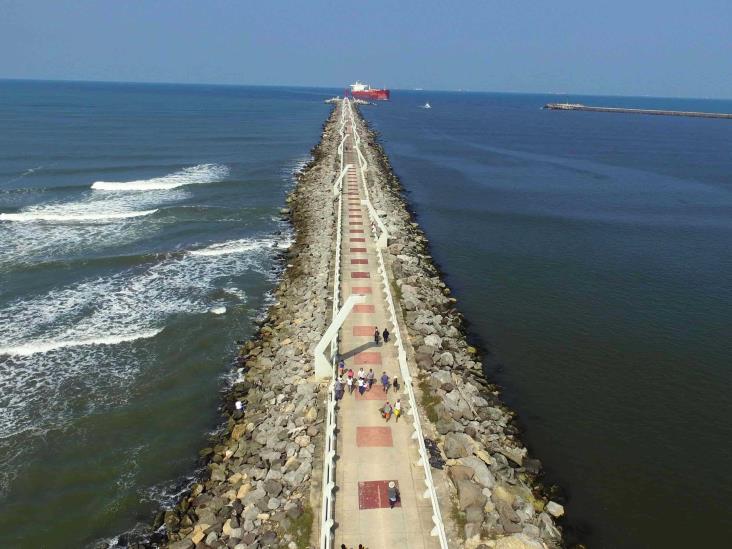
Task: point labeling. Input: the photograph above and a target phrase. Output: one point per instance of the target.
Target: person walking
(338, 389)
(385, 382)
(361, 373)
(350, 373)
(396, 385)
(376, 336)
(397, 410)
(361, 386)
(393, 494)
(386, 410)
(385, 335)
(370, 378)
(349, 382)
(341, 366)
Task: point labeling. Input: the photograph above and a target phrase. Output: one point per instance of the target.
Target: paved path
(370, 451)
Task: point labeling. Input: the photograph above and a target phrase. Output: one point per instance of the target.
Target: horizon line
(325, 87)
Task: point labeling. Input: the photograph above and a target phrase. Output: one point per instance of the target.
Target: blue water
(129, 216)
(590, 253)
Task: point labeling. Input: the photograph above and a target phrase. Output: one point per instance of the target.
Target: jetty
(581, 107)
(300, 461)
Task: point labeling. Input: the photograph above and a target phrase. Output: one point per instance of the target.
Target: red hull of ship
(375, 95)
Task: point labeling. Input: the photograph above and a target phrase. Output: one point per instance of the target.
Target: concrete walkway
(370, 451)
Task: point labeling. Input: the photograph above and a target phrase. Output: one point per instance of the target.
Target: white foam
(69, 339)
(202, 173)
(46, 346)
(72, 217)
(217, 310)
(233, 247)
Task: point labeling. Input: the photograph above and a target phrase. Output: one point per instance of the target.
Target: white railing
(327, 511)
(438, 529)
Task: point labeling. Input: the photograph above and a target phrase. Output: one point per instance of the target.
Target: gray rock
(518, 541)
(554, 509)
(440, 377)
(460, 472)
(446, 359)
(475, 514)
(272, 487)
(469, 494)
(508, 518)
(483, 476)
(182, 544)
(458, 445)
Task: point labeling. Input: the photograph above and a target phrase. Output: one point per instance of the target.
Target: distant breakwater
(656, 112)
(259, 484)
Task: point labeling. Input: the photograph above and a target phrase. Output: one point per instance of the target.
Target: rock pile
(496, 498)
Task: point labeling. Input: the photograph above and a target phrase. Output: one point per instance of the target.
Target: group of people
(377, 336)
(363, 381)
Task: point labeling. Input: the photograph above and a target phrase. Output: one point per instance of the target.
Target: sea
(140, 238)
(592, 256)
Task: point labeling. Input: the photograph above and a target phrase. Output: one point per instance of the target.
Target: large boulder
(482, 474)
(456, 406)
(469, 494)
(458, 445)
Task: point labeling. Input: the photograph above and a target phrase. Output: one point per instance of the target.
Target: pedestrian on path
(376, 336)
(385, 334)
(341, 366)
(385, 382)
(386, 410)
(361, 386)
(350, 373)
(350, 385)
(338, 389)
(393, 494)
(361, 374)
(370, 377)
(396, 385)
(397, 410)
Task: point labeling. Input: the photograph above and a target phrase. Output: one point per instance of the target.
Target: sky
(673, 48)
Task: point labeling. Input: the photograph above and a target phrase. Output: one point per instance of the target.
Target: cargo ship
(364, 91)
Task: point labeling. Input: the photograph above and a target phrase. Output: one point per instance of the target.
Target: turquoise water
(130, 215)
(591, 254)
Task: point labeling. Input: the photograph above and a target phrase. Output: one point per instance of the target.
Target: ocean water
(139, 238)
(591, 253)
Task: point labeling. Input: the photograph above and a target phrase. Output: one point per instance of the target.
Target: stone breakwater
(491, 492)
(260, 481)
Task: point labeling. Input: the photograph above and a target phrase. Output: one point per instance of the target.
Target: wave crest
(195, 175)
(72, 217)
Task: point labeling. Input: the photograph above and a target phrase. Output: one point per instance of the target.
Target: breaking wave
(195, 175)
(72, 217)
(44, 347)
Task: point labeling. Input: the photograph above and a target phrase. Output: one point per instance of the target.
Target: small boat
(333, 99)
(426, 106)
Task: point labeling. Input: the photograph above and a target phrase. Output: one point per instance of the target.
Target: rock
(458, 445)
(182, 544)
(210, 538)
(238, 431)
(460, 472)
(554, 509)
(532, 466)
(273, 504)
(433, 340)
(469, 494)
(514, 454)
(483, 476)
(518, 541)
(446, 359)
(440, 377)
(474, 513)
(508, 518)
(272, 487)
(446, 425)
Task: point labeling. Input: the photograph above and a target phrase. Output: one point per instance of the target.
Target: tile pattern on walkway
(365, 462)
